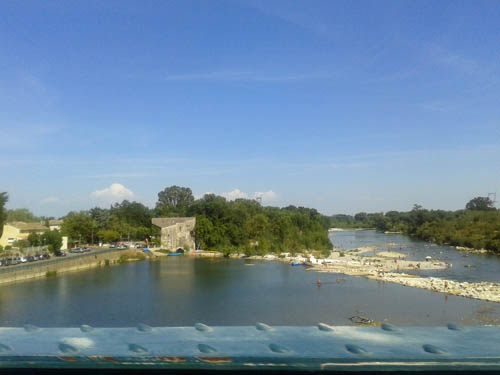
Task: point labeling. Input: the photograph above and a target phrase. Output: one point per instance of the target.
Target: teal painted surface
(251, 348)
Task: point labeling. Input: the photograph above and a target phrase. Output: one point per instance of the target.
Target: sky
(343, 106)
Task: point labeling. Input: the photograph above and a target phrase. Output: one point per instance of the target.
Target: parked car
(76, 250)
(86, 249)
(61, 254)
(45, 256)
(112, 246)
(23, 259)
(30, 258)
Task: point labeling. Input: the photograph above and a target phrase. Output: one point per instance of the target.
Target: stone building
(176, 232)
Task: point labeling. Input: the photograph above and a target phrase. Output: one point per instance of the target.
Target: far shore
(348, 229)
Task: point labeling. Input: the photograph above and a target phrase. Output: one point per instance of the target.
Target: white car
(23, 259)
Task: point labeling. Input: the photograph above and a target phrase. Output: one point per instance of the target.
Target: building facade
(55, 224)
(176, 232)
(19, 230)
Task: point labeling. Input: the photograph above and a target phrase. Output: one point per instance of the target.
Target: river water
(181, 291)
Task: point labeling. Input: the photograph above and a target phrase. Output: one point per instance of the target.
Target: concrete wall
(71, 263)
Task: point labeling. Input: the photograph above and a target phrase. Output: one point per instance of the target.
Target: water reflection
(179, 291)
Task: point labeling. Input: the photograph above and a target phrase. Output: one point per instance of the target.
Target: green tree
(21, 214)
(53, 239)
(480, 204)
(21, 244)
(34, 239)
(108, 236)
(78, 226)
(4, 197)
(174, 200)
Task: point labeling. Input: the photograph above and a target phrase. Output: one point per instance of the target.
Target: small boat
(175, 254)
(428, 258)
(295, 264)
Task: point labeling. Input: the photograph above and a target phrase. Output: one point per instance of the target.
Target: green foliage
(480, 204)
(477, 227)
(106, 262)
(174, 201)
(50, 273)
(108, 236)
(245, 226)
(4, 197)
(34, 239)
(53, 239)
(21, 244)
(78, 226)
(21, 214)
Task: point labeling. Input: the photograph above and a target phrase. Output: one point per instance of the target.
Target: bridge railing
(254, 348)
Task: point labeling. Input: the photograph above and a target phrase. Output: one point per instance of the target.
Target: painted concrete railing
(254, 348)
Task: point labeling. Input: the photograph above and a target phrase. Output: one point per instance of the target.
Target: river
(181, 291)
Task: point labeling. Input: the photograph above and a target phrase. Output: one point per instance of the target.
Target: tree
(21, 214)
(78, 225)
(174, 199)
(4, 197)
(108, 236)
(34, 239)
(480, 204)
(53, 239)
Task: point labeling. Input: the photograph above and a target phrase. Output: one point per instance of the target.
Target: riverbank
(387, 266)
(348, 229)
(53, 267)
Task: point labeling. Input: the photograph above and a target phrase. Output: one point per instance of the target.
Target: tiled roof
(28, 226)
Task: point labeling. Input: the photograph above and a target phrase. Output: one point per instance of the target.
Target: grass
(51, 274)
(131, 255)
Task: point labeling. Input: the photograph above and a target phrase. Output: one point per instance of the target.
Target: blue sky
(344, 106)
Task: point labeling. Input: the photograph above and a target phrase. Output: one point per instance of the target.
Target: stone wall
(176, 233)
(70, 263)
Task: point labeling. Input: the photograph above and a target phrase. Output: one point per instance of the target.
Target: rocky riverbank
(470, 250)
(387, 267)
(484, 291)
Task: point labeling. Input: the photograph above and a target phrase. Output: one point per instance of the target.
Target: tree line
(477, 226)
(243, 225)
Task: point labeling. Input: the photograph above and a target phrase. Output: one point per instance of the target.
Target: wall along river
(181, 291)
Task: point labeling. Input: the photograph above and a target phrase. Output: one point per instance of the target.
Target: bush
(106, 262)
(51, 274)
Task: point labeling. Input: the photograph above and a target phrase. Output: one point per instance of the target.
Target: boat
(175, 254)
(295, 264)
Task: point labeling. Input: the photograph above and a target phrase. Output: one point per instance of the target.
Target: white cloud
(49, 200)
(266, 196)
(235, 194)
(114, 193)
